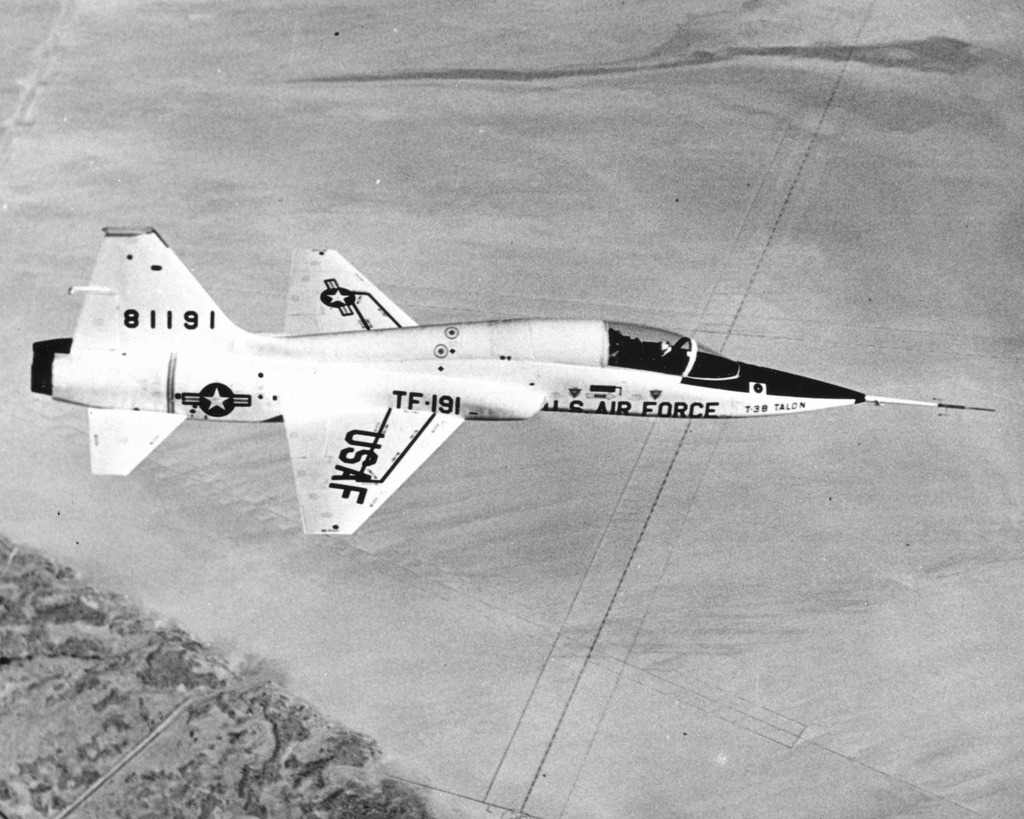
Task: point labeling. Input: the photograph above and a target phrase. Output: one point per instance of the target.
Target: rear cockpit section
(636, 347)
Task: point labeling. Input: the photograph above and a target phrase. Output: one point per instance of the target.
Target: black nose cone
(777, 382)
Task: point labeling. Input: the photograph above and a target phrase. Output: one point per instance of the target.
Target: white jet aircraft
(362, 410)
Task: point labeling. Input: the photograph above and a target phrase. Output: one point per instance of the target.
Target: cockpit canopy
(647, 348)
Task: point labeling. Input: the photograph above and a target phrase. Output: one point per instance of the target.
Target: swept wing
(328, 295)
(348, 460)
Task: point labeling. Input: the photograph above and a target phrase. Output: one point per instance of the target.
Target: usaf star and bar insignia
(216, 400)
(337, 297)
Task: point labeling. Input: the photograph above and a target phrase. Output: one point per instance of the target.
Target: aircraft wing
(328, 295)
(348, 463)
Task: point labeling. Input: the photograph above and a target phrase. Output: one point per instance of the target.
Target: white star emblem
(216, 400)
(336, 297)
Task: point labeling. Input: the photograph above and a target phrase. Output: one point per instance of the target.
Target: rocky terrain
(105, 713)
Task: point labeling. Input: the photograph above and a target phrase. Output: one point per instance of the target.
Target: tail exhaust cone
(43, 353)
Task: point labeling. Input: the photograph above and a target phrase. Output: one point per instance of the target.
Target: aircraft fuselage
(364, 393)
(496, 370)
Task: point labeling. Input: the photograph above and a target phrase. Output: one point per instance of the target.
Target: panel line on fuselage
(172, 366)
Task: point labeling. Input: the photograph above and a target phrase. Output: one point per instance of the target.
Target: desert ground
(805, 616)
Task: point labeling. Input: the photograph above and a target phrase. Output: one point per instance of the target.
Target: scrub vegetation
(106, 713)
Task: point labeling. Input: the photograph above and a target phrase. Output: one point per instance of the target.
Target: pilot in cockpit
(675, 356)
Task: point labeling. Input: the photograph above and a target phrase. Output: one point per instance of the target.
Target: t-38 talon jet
(365, 394)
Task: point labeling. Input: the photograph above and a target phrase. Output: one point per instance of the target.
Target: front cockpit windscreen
(711, 366)
(648, 348)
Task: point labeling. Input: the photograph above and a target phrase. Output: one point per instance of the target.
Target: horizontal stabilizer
(119, 440)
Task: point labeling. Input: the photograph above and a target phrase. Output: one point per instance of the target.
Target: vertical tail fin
(142, 294)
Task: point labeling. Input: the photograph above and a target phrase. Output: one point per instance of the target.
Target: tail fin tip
(133, 231)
